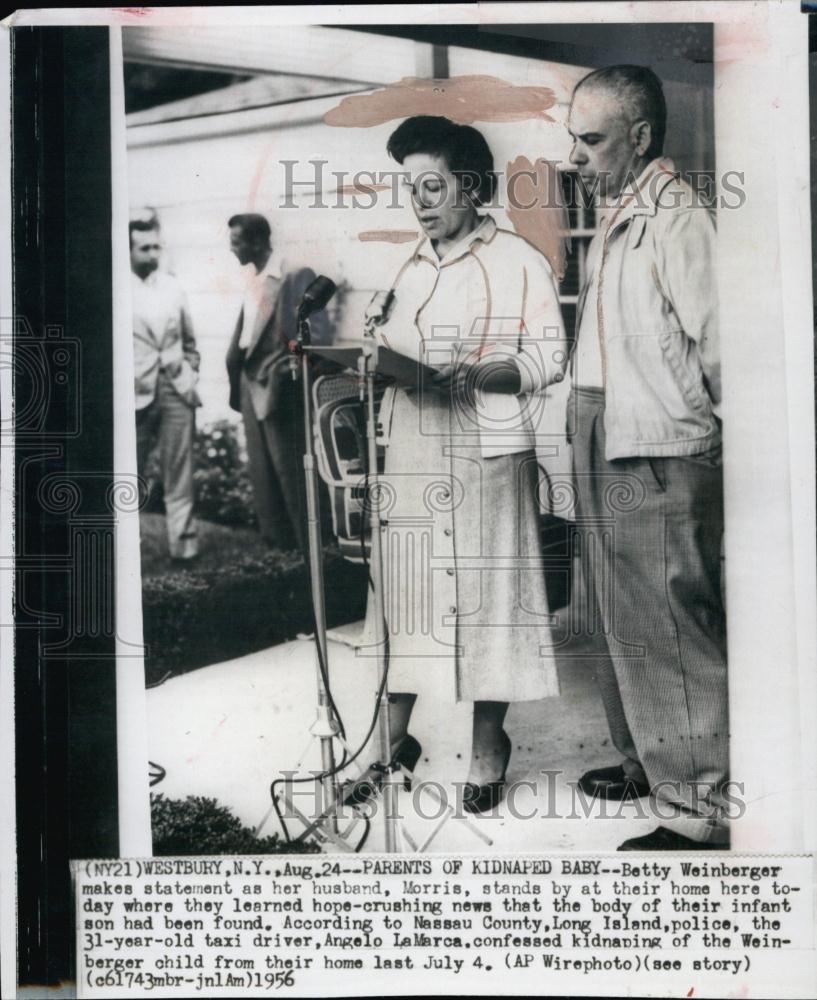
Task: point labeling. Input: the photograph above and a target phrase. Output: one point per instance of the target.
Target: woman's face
(445, 214)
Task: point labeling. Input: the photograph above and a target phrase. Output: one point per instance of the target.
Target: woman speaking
(466, 609)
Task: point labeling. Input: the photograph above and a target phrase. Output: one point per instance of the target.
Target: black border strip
(65, 692)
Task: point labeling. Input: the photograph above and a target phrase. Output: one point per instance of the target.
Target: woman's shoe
(406, 755)
(482, 798)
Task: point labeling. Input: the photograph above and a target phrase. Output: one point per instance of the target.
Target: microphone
(316, 296)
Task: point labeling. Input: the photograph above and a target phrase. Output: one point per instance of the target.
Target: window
(582, 223)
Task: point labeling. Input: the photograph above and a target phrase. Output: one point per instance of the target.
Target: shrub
(198, 825)
(198, 616)
(222, 483)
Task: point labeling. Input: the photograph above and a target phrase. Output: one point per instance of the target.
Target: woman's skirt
(466, 608)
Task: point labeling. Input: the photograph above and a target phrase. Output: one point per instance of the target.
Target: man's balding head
(617, 120)
(639, 94)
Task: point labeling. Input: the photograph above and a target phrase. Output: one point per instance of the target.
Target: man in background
(262, 388)
(647, 462)
(166, 365)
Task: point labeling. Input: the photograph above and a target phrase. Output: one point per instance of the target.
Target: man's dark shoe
(663, 839)
(612, 783)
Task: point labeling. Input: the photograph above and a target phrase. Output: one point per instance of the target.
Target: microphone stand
(367, 364)
(325, 728)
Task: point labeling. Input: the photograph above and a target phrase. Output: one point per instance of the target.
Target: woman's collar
(485, 230)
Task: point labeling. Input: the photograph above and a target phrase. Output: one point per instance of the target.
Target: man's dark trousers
(652, 530)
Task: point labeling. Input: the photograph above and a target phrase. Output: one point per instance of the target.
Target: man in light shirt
(262, 389)
(646, 438)
(166, 365)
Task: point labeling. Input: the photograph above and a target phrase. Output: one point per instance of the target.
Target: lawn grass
(218, 547)
(237, 597)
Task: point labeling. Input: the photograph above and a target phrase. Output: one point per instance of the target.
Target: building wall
(198, 172)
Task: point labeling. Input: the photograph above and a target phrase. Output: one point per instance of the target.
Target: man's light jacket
(658, 320)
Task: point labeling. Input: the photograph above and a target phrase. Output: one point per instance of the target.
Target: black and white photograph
(554, 484)
(414, 459)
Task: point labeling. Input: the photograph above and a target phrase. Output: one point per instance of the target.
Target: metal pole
(376, 568)
(325, 727)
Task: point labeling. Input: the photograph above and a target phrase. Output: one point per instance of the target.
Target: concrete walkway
(228, 730)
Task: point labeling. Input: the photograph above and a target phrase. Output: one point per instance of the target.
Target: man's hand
(281, 368)
(174, 369)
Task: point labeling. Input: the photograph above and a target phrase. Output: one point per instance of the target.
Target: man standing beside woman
(645, 412)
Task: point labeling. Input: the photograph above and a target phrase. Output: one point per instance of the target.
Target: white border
(766, 334)
(645, 11)
(131, 697)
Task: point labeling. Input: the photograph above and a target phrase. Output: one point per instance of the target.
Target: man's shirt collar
(150, 279)
(274, 267)
(642, 196)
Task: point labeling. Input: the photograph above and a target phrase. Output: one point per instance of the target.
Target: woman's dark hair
(463, 148)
